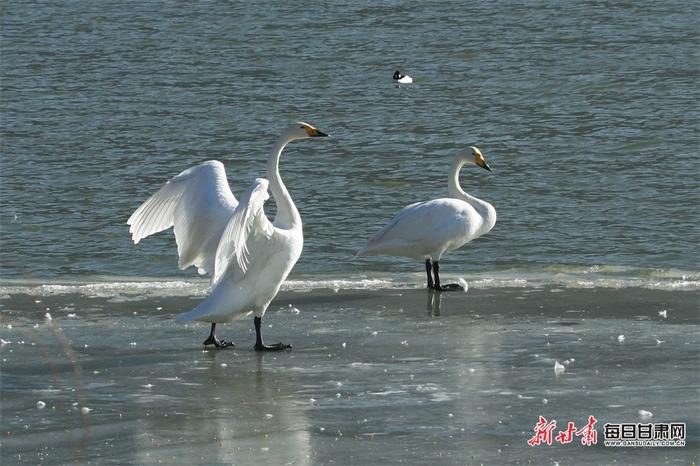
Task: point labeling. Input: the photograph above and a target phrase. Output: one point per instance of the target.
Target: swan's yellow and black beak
(481, 161)
(313, 132)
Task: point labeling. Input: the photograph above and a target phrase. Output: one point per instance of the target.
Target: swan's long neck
(287, 214)
(455, 190)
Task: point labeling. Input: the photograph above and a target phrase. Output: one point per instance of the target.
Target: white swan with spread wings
(247, 255)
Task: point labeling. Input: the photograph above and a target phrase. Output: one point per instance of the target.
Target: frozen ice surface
(467, 389)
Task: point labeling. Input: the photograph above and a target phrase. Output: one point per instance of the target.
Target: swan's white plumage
(247, 221)
(198, 203)
(426, 230)
(248, 256)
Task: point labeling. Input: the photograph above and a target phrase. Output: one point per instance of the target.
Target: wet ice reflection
(373, 376)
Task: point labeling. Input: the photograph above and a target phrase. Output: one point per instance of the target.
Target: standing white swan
(248, 256)
(426, 230)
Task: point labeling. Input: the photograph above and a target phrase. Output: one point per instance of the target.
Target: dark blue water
(587, 112)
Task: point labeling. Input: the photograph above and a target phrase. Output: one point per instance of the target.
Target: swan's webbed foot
(450, 287)
(275, 347)
(435, 284)
(212, 340)
(260, 346)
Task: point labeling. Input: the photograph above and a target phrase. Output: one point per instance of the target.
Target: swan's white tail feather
(194, 314)
(211, 310)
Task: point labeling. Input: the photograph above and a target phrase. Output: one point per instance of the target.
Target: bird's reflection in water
(434, 303)
(232, 409)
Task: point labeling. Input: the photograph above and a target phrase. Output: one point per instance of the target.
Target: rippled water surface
(587, 112)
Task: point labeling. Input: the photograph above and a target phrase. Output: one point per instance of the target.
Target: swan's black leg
(212, 340)
(448, 287)
(260, 346)
(428, 271)
(436, 269)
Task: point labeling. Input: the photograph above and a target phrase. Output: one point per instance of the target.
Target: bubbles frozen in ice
(558, 368)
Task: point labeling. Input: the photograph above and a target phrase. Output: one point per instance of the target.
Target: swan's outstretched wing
(198, 203)
(245, 235)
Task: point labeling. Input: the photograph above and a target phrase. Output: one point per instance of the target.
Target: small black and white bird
(402, 78)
